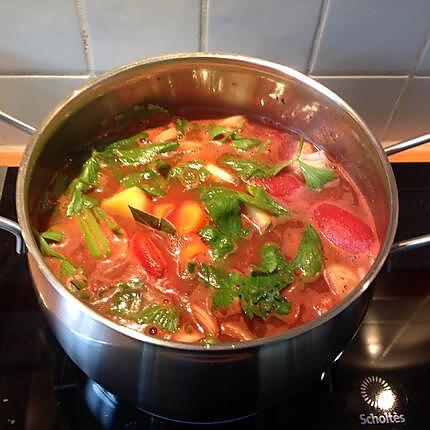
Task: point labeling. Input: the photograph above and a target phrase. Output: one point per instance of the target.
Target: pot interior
(234, 83)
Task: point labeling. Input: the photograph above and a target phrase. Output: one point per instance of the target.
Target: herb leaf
(273, 260)
(224, 285)
(127, 303)
(259, 293)
(108, 153)
(53, 236)
(97, 244)
(143, 154)
(316, 177)
(190, 174)
(246, 168)
(244, 143)
(182, 125)
(163, 317)
(110, 223)
(261, 199)
(309, 258)
(220, 133)
(86, 180)
(149, 181)
(223, 205)
(220, 243)
(78, 280)
(152, 221)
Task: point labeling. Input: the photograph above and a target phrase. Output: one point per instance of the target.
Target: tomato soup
(198, 227)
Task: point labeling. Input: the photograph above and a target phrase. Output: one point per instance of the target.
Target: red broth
(260, 231)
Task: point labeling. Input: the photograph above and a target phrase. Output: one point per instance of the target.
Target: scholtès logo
(378, 394)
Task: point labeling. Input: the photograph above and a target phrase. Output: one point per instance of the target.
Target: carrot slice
(192, 250)
(163, 210)
(189, 217)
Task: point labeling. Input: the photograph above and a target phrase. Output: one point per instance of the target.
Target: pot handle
(21, 125)
(15, 229)
(416, 242)
(5, 223)
(407, 144)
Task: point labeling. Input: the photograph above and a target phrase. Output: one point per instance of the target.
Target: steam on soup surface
(201, 228)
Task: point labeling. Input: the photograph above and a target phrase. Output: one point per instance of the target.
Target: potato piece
(119, 203)
(340, 279)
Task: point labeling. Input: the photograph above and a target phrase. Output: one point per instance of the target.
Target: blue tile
(424, 66)
(31, 98)
(277, 30)
(412, 115)
(121, 32)
(40, 36)
(372, 37)
(373, 98)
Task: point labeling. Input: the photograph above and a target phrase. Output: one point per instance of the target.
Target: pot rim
(23, 218)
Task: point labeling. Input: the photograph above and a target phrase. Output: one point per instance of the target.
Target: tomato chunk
(343, 229)
(148, 254)
(281, 185)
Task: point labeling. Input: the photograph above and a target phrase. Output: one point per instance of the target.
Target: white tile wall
(282, 32)
(40, 36)
(372, 36)
(124, 31)
(340, 42)
(373, 98)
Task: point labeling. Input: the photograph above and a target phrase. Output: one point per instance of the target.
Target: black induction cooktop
(381, 381)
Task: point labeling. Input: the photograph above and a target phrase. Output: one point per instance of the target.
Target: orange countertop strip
(11, 155)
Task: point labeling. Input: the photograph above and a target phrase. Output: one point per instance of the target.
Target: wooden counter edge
(10, 156)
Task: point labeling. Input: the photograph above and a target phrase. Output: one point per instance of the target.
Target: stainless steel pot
(194, 382)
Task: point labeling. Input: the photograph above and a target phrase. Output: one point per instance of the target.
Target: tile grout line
(410, 76)
(81, 10)
(352, 76)
(317, 36)
(204, 5)
(86, 76)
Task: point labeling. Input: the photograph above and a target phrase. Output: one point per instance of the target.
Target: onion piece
(258, 218)
(237, 330)
(205, 319)
(220, 174)
(166, 135)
